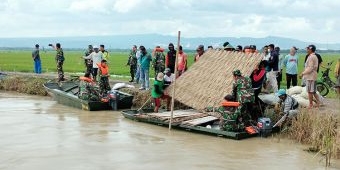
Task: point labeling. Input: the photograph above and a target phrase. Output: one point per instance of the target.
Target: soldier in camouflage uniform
(230, 117)
(158, 60)
(243, 92)
(132, 62)
(88, 62)
(104, 85)
(88, 91)
(59, 60)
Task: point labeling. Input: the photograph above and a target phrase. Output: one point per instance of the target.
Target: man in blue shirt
(145, 59)
(291, 63)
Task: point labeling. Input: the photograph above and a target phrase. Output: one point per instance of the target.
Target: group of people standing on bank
(141, 61)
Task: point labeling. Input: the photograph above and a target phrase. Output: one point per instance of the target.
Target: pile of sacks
(297, 92)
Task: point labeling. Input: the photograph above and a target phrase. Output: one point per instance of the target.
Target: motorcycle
(324, 83)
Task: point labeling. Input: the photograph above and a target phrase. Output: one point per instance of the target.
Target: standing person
(168, 77)
(138, 54)
(158, 93)
(132, 62)
(145, 60)
(199, 52)
(279, 73)
(182, 61)
(291, 62)
(257, 79)
(106, 54)
(158, 60)
(170, 59)
(337, 76)
(96, 57)
(59, 60)
(88, 62)
(303, 82)
(36, 59)
(310, 75)
(104, 85)
(243, 93)
(273, 63)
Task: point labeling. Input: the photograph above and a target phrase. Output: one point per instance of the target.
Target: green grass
(22, 61)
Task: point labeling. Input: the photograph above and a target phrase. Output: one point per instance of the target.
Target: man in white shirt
(96, 57)
(168, 77)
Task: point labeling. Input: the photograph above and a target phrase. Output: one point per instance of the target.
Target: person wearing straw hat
(243, 92)
(158, 93)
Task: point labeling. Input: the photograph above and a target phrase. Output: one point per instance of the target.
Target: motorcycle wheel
(322, 89)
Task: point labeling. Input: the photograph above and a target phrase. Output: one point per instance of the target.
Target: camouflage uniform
(132, 62)
(159, 62)
(88, 63)
(104, 85)
(88, 92)
(60, 61)
(242, 89)
(230, 119)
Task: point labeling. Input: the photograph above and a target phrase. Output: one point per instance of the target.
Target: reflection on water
(37, 133)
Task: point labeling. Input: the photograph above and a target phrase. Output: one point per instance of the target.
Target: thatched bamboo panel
(209, 79)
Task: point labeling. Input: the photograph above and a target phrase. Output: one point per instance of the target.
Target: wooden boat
(66, 93)
(189, 120)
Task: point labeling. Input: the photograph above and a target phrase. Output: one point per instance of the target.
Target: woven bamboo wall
(207, 81)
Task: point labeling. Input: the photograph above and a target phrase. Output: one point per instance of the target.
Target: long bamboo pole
(174, 83)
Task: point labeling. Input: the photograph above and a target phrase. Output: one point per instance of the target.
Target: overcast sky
(307, 20)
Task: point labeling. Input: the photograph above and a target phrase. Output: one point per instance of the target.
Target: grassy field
(22, 61)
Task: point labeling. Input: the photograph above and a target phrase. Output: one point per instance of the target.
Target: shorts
(158, 100)
(311, 86)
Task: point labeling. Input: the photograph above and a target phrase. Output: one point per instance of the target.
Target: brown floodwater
(37, 133)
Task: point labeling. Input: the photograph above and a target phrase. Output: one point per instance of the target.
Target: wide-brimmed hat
(160, 76)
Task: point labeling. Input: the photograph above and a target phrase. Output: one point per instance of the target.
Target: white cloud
(299, 19)
(124, 6)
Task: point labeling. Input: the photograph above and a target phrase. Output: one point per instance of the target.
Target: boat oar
(144, 104)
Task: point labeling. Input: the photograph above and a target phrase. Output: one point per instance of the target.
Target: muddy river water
(37, 133)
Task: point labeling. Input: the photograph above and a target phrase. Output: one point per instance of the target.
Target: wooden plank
(198, 121)
(179, 113)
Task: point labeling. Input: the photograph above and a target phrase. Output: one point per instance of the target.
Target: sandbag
(301, 100)
(294, 90)
(121, 85)
(270, 99)
(304, 93)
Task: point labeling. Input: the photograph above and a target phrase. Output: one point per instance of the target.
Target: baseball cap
(252, 47)
(280, 92)
(95, 47)
(311, 47)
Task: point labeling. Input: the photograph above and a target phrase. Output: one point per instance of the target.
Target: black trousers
(291, 78)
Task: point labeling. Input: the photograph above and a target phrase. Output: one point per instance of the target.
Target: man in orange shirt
(182, 61)
(310, 75)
